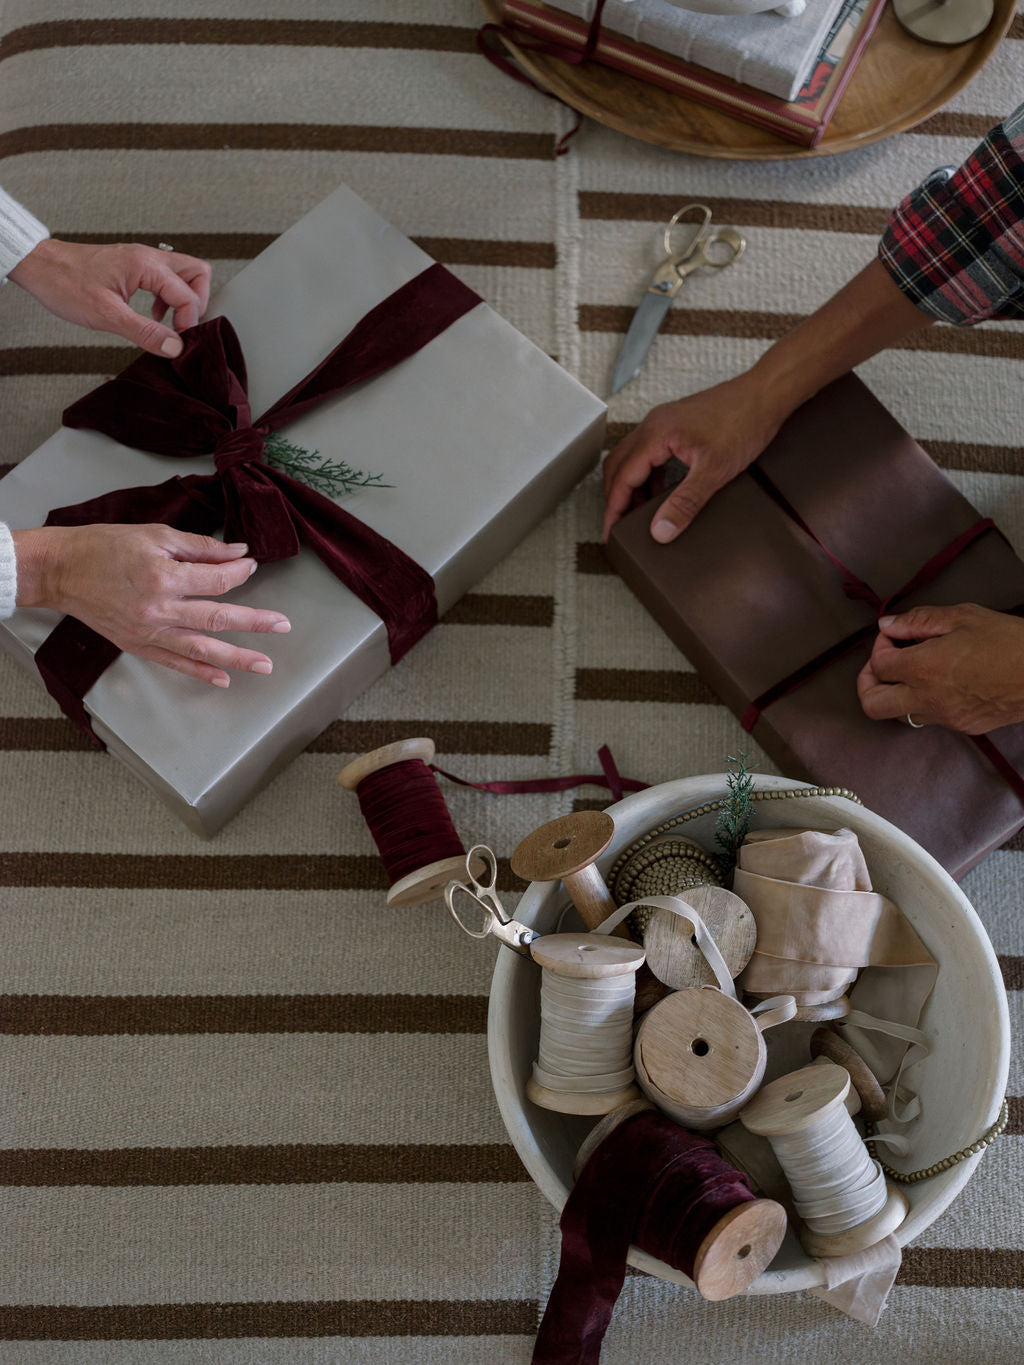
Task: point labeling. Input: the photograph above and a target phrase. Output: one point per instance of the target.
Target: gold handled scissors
(705, 246)
(484, 895)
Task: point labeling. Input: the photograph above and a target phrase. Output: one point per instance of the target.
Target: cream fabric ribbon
(702, 935)
(858, 1284)
(820, 929)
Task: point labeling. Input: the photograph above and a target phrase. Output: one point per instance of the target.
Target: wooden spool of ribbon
(406, 813)
(649, 1183)
(838, 1189)
(700, 1056)
(584, 1063)
(753, 1154)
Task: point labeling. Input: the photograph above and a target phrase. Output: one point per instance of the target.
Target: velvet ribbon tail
(649, 1182)
(597, 1228)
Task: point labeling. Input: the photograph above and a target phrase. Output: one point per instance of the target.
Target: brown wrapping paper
(749, 597)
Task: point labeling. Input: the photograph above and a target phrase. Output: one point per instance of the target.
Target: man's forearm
(866, 316)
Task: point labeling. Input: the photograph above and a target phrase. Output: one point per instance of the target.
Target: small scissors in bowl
(707, 246)
(485, 896)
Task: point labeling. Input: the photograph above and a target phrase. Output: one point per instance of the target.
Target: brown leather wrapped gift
(773, 593)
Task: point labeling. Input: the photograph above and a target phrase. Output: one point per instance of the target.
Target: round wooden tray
(898, 82)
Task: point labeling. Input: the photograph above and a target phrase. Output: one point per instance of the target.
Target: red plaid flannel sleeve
(955, 245)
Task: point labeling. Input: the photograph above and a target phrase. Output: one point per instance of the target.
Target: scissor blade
(642, 330)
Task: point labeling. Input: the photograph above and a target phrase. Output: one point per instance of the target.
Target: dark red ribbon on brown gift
(856, 589)
(196, 405)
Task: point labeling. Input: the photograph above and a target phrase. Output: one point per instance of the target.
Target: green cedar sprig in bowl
(737, 810)
(334, 478)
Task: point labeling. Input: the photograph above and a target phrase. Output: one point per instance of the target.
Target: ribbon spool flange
(699, 1055)
(672, 952)
(741, 1245)
(565, 850)
(827, 1044)
(364, 774)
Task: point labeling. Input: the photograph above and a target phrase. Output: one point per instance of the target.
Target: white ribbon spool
(839, 1190)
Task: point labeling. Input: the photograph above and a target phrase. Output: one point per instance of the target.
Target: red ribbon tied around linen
(197, 405)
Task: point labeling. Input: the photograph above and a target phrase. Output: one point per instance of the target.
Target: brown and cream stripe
(243, 1102)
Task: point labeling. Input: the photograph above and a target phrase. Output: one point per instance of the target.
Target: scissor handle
(489, 918)
(481, 853)
(678, 216)
(700, 251)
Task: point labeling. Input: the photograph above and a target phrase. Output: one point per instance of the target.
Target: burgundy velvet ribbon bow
(198, 405)
(649, 1183)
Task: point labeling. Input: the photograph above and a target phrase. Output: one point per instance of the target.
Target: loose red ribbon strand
(572, 55)
(609, 777)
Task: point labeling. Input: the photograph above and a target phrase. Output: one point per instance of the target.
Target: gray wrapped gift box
(480, 433)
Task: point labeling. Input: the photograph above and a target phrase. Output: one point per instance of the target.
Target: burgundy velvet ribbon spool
(197, 404)
(407, 816)
(650, 1183)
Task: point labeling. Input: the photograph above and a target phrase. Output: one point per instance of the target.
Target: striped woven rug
(246, 1112)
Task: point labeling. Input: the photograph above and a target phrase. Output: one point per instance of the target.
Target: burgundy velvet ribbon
(855, 588)
(198, 405)
(650, 1183)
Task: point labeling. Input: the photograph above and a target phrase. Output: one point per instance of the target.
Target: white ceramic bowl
(961, 1083)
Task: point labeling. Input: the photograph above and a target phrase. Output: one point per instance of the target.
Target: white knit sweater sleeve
(8, 572)
(19, 233)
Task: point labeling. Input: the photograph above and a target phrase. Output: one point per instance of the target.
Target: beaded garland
(695, 855)
(913, 1177)
(663, 868)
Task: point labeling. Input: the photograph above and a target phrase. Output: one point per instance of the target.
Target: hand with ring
(961, 667)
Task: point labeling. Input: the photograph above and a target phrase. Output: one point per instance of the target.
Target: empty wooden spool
(565, 850)
(672, 952)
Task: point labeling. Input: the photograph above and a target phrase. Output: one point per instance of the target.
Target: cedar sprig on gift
(335, 478)
(738, 808)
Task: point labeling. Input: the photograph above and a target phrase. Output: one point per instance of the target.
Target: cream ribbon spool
(839, 1190)
(584, 1058)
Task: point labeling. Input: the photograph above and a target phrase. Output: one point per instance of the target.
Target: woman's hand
(964, 669)
(145, 588)
(91, 285)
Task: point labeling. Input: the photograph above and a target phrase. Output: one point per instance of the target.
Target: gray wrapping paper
(480, 433)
